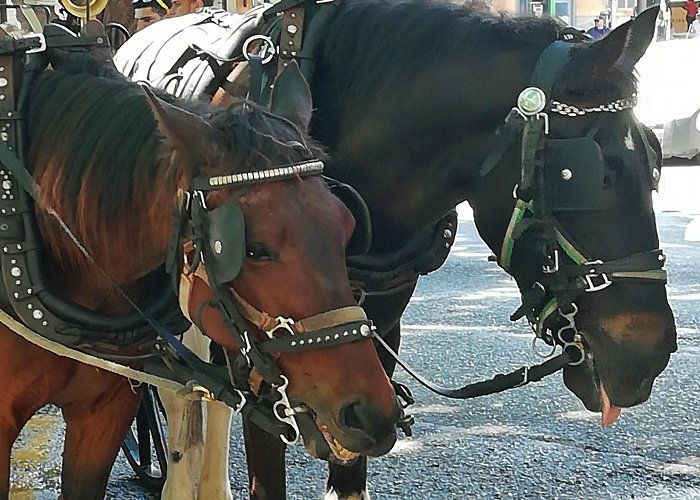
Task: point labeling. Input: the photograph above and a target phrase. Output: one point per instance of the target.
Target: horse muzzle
(624, 355)
(357, 428)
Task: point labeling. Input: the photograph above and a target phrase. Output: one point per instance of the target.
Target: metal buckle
(525, 380)
(268, 48)
(287, 411)
(282, 322)
(589, 279)
(245, 349)
(553, 269)
(239, 407)
(42, 44)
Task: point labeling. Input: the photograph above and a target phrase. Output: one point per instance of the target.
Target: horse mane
(101, 164)
(393, 39)
(412, 33)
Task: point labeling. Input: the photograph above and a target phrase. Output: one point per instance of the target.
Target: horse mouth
(320, 442)
(595, 396)
(342, 455)
(610, 412)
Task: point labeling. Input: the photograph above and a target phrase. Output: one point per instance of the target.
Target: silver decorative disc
(531, 101)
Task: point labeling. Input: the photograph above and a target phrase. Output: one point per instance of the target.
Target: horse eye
(258, 252)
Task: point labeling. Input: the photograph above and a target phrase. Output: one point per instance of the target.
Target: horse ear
(626, 45)
(291, 97)
(183, 131)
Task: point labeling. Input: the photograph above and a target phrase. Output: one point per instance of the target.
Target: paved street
(531, 443)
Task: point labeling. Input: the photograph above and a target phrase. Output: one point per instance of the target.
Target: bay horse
(410, 100)
(111, 165)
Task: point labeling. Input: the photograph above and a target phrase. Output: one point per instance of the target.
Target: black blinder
(224, 250)
(574, 174)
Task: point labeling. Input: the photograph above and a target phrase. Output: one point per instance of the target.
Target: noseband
(550, 168)
(219, 249)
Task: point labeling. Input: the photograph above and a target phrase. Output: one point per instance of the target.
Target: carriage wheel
(145, 446)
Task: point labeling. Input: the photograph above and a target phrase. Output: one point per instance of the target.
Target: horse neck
(134, 244)
(421, 122)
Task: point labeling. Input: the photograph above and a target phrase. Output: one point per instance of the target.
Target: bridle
(546, 168)
(218, 239)
(550, 303)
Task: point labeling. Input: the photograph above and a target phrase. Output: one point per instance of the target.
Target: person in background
(691, 12)
(599, 30)
(181, 7)
(149, 11)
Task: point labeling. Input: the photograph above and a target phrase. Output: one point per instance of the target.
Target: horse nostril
(350, 416)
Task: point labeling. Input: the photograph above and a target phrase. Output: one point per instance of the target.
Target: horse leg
(184, 445)
(98, 408)
(214, 482)
(266, 468)
(350, 482)
(185, 432)
(11, 424)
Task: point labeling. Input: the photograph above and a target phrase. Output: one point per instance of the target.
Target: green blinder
(224, 250)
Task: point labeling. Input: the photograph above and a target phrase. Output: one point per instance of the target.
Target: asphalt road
(536, 442)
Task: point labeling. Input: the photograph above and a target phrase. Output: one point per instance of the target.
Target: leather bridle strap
(501, 382)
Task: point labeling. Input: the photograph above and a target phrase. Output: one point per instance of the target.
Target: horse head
(585, 255)
(271, 257)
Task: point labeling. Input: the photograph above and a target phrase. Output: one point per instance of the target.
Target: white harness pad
(187, 55)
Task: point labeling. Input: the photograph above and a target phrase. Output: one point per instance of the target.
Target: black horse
(410, 100)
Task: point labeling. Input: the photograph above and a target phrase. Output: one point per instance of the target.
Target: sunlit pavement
(536, 442)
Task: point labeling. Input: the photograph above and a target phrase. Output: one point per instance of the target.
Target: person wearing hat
(599, 30)
(149, 11)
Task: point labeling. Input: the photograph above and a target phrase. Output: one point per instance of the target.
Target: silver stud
(13, 261)
(301, 342)
(345, 334)
(566, 174)
(16, 272)
(447, 234)
(29, 291)
(218, 247)
(293, 343)
(38, 314)
(328, 337)
(7, 185)
(318, 339)
(291, 29)
(45, 323)
(310, 341)
(336, 336)
(18, 282)
(30, 306)
(656, 174)
(365, 330)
